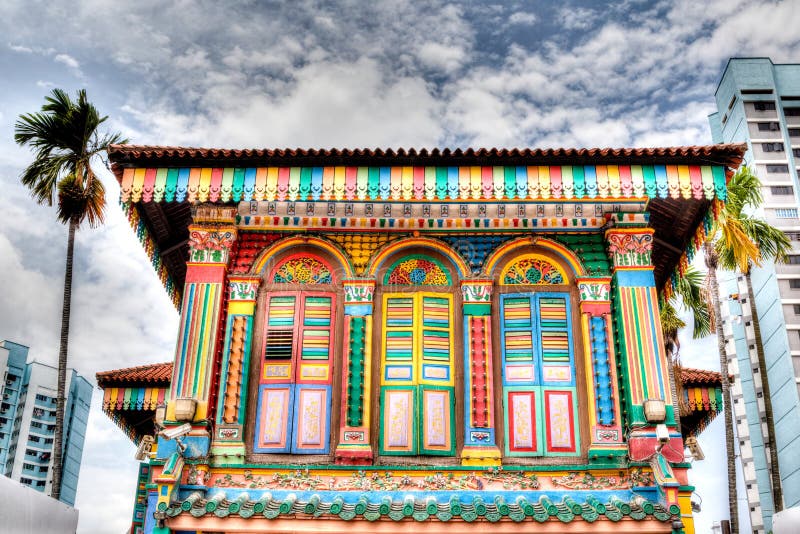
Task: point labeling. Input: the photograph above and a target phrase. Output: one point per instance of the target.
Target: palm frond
(772, 243)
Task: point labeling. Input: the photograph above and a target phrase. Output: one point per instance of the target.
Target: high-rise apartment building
(758, 102)
(28, 419)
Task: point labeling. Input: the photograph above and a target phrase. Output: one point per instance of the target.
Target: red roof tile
(156, 374)
(700, 376)
(723, 154)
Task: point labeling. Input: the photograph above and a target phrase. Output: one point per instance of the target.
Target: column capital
(211, 244)
(358, 296)
(630, 247)
(595, 295)
(477, 295)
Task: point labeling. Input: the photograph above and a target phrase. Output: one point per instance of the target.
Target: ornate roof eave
(729, 155)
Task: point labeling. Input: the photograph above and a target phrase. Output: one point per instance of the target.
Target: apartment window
(764, 106)
(791, 112)
(43, 469)
(794, 236)
(30, 467)
(786, 213)
(48, 441)
(796, 152)
(793, 259)
(42, 398)
(756, 91)
(794, 132)
(40, 483)
(794, 283)
(30, 452)
(781, 190)
(34, 439)
(27, 481)
(36, 424)
(732, 102)
(772, 147)
(768, 126)
(777, 168)
(797, 309)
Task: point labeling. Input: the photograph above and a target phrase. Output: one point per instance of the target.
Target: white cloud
(447, 58)
(44, 84)
(523, 18)
(21, 49)
(577, 18)
(67, 60)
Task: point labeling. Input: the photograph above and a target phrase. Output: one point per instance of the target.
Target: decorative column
(607, 439)
(480, 446)
(211, 237)
(354, 427)
(228, 442)
(640, 344)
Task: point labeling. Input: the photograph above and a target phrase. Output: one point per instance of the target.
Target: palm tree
(65, 140)
(745, 241)
(712, 262)
(689, 287)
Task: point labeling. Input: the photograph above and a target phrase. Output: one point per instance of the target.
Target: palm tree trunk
(58, 438)
(733, 508)
(774, 470)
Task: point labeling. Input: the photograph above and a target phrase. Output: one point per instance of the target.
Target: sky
(384, 73)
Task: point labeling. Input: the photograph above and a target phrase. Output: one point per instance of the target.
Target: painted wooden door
(417, 382)
(538, 371)
(294, 394)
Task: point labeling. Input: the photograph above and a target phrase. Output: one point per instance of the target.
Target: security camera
(145, 446)
(662, 434)
(175, 432)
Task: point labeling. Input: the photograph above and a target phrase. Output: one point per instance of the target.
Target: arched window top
(417, 270)
(533, 269)
(302, 269)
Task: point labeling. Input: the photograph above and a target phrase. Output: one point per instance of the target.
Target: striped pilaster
(601, 371)
(354, 430)
(480, 446)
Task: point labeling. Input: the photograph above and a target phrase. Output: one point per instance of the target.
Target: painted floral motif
(630, 249)
(533, 271)
(513, 480)
(418, 271)
(594, 291)
(210, 246)
(302, 270)
(243, 289)
(584, 481)
(358, 291)
(476, 290)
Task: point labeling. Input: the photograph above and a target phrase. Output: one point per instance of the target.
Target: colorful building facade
(457, 339)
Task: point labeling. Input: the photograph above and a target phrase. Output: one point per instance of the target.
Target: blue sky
(332, 74)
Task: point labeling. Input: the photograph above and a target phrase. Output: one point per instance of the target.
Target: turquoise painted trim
(643, 277)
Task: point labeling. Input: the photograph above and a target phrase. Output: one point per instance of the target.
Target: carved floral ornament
(533, 269)
(492, 478)
(302, 269)
(630, 249)
(417, 270)
(210, 245)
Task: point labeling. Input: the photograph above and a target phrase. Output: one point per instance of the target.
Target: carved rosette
(242, 288)
(211, 244)
(630, 247)
(476, 291)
